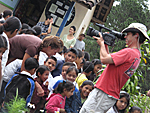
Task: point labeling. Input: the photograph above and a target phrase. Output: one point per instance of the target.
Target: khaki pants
(97, 102)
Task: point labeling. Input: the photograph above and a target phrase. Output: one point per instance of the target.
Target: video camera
(109, 39)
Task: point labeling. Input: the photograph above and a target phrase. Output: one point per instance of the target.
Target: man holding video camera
(120, 67)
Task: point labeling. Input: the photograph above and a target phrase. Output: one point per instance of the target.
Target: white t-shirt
(111, 110)
(11, 68)
(5, 54)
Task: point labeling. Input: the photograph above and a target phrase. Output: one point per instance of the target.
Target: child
(87, 70)
(86, 87)
(69, 56)
(79, 59)
(74, 103)
(57, 79)
(121, 104)
(57, 100)
(135, 109)
(71, 75)
(80, 44)
(23, 82)
(96, 71)
(39, 102)
(50, 62)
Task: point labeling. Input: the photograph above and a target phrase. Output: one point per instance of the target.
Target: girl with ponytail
(57, 99)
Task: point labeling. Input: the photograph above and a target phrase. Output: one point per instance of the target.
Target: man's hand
(51, 21)
(100, 39)
(62, 110)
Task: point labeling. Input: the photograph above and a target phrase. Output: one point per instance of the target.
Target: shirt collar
(26, 73)
(4, 34)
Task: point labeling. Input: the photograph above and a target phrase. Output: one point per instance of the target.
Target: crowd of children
(46, 74)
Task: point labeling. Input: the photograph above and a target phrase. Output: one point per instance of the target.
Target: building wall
(2, 8)
(81, 20)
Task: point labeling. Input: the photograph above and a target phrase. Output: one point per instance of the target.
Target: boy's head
(88, 68)
(81, 37)
(86, 56)
(79, 59)
(42, 73)
(65, 67)
(71, 55)
(31, 64)
(50, 62)
(38, 30)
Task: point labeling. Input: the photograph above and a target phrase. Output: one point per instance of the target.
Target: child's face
(64, 70)
(121, 103)
(70, 57)
(71, 76)
(68, 94)
(2, 50)
(85, 90)
(97, 68)
(81, 37)
(79, 61)
(50, 64)
(44, 76)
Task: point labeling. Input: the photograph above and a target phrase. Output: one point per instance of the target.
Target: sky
(115, 3)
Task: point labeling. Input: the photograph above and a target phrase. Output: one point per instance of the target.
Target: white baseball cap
(137, 27)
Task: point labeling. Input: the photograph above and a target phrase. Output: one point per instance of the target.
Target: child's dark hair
(41, 69)
(73, 50)
(11, 24)
(86, 56)
(23, 31)
(88, 66)
(38, 30)
(72, 68)
(96, 61)
(3, 42)
(80, 53)
(25, 26)
(49, 17)
(31, 63)
(82, 35)
(51, 57)
(64, 85)
(30, 31)
(132, 109)
(68, 64)
(6, 13)
(127, 96)
(87, 82)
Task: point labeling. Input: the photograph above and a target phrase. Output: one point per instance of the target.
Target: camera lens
(92, 32)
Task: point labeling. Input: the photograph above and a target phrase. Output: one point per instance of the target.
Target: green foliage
(17, 105)
(140, 100)
(127, 12)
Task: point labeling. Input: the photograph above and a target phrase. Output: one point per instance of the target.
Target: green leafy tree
(127, 12)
